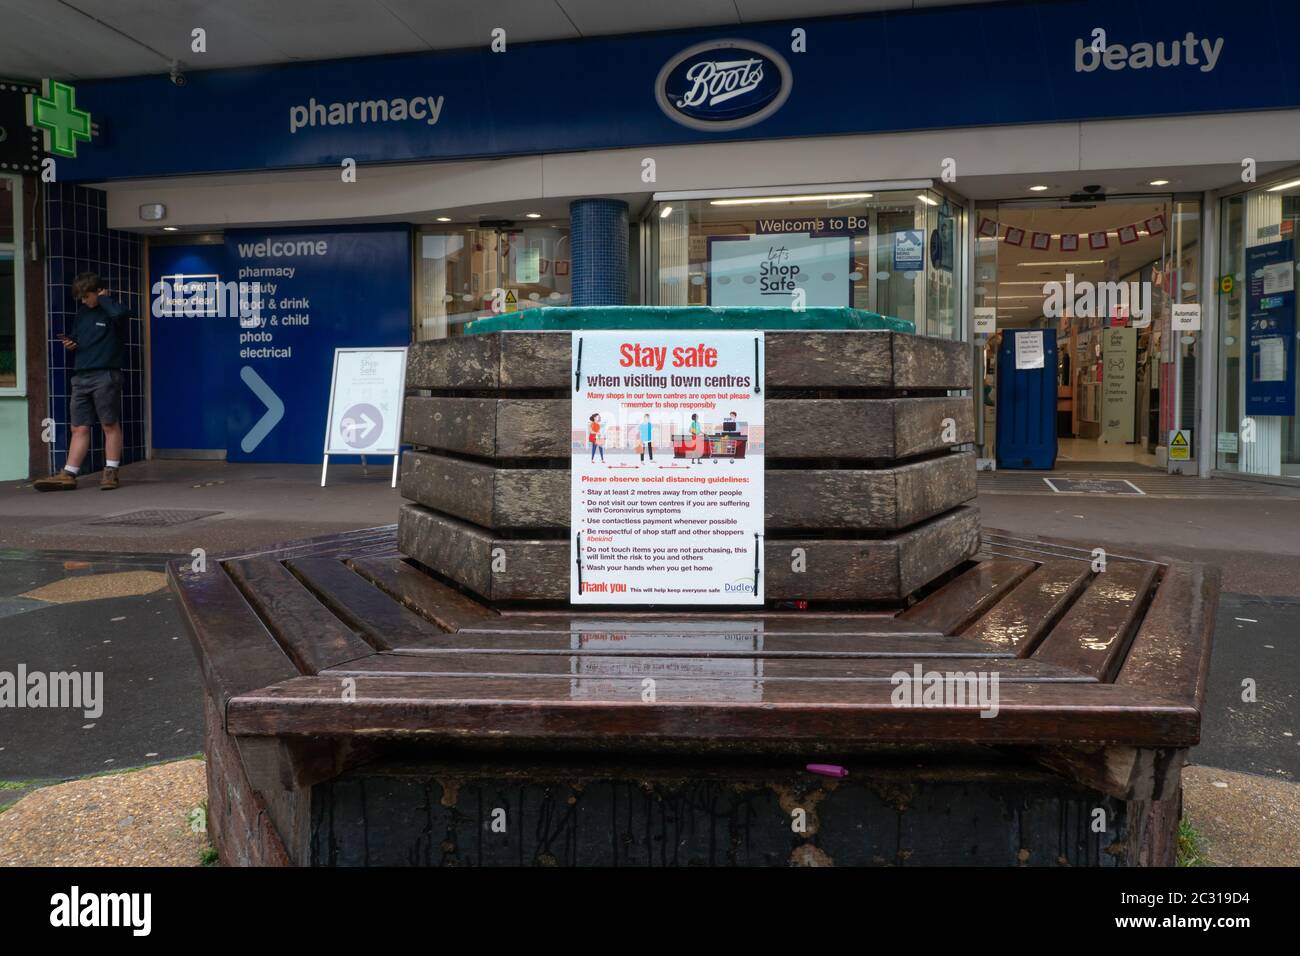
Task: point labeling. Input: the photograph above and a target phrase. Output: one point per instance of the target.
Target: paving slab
(143, 818)
(1243, 819)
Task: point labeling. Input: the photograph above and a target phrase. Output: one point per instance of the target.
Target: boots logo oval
(723, 85)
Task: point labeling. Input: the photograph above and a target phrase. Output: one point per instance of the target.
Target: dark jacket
(101, 336)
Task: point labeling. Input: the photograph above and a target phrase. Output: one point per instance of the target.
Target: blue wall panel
(325, 289)
(187, 392)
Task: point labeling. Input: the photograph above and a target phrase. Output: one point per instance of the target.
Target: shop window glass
(896, 253)
(1259, 348)
(459, 269)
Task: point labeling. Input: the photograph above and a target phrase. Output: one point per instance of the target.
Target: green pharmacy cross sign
(56, 113)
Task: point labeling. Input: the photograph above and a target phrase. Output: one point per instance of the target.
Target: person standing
(647, 433)
(98, 349)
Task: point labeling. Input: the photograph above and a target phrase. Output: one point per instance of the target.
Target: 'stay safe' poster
(667, 468)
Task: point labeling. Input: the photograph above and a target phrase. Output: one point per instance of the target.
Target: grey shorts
(97, 394)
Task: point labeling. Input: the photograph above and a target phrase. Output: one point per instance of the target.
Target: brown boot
(59, 481)
(108, 481)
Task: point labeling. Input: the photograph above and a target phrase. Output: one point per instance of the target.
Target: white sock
(111, 464)
(72, 469)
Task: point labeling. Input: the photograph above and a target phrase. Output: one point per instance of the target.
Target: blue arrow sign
(274, 409)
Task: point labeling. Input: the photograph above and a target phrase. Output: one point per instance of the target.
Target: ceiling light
(171, 228)
(1277, 189)
(926, 199)
(1158, 182)
(665, 212)
(1037, 189)
(533, 215)
(444, 218)
(766, 199)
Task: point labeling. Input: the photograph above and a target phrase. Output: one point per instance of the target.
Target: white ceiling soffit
(84, 39)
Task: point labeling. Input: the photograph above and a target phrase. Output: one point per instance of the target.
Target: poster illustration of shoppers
(667, 449)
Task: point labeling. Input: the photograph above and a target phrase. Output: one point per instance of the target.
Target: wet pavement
(1256, 640)
(149, 693)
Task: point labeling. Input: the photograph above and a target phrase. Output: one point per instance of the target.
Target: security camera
(176, 76)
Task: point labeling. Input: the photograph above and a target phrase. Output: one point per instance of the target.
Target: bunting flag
(1069, 242)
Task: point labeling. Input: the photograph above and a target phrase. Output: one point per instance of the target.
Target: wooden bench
(358, 703)
(424, 693)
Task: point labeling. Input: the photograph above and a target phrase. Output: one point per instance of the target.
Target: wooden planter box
(861, 471)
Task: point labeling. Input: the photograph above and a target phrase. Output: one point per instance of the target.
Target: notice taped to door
(666, 502)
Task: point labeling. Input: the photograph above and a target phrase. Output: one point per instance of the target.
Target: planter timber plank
(509, 361)
(883, 429)
(848, 569)
(813, 498)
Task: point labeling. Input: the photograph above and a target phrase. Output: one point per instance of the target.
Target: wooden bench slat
(1171, 652)
(1093, 635)
(596, 709)
(774, 623)
(678, 667)
(445, 606)
(236, 652)
(959, 602)
(309, 633)
(1017, 621)
(362, 606)
(773, 645)
(367, 541)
